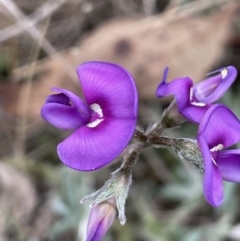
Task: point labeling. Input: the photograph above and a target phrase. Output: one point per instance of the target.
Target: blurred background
(41, 44)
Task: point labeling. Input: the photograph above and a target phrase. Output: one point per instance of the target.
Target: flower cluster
(218, 128)
(104, 122)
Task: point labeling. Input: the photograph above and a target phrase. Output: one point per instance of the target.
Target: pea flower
(101, 218)
(193, 100)
(219, 129)
(103, 124)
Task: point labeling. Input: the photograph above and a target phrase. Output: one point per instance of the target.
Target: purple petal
(181, 88)
(111, 87)
(101, 218)
(75, 100)
(212, 182)
(59, 112)
(63, 117)
(229, 165)
(213, 88)
(88, 148)
(219, 126)
(58, 98)
(194, 113)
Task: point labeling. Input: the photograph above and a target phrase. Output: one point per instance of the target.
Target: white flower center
(214, 161)
(98, 110)
(198, 103)
(219, 147)
(224, 72)
(194, 102)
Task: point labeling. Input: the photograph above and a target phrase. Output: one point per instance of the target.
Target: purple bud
(101, 218)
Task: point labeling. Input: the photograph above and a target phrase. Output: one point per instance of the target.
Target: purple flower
(194, 100)
(101, 218)
(219, 129)
(103, 125)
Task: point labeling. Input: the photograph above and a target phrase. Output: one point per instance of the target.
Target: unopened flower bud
(170, 118)
(101, 218)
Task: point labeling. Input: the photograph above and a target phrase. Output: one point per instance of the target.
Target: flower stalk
(187, 149)
(170, 118)
(116, 188)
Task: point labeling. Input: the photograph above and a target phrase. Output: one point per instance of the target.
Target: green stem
(162, 141)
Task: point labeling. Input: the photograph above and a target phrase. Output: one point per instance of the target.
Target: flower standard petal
(228, 163)
(213, 88)
(88, 149)
(220, 126)
(111, 87)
